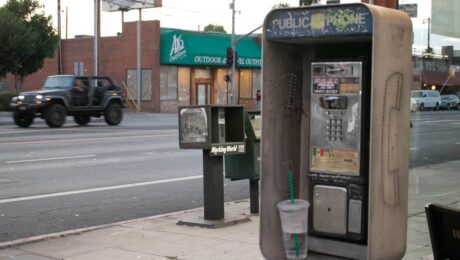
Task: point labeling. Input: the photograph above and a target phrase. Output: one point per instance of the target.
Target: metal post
(138, 71)
(254, 196)
(213, 186)
(96, 33)
(429, 29)
(233, 92)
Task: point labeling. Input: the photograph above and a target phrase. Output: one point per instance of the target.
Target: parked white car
(425, 99)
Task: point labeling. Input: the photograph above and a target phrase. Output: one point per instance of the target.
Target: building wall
(116, 55)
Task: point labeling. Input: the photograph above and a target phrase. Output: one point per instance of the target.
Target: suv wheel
(422, 107)
(436, 108)
(82, 120)
(23, 119)
(113, 114)
(55, 116)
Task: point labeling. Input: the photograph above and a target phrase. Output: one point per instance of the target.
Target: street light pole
(234, 52)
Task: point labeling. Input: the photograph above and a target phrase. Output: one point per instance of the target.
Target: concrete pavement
(159, 237)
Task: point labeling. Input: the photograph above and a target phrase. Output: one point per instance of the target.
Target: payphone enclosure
(336, 84)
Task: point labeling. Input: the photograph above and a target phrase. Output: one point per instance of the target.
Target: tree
(214, 28)
(26, 39)
(308, 2)
(280, 5)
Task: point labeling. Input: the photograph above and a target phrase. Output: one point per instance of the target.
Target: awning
(180, 47)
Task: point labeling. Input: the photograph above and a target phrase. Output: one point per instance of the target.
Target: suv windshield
(58, 82)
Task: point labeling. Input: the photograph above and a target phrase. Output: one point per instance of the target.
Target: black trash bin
(444, 227)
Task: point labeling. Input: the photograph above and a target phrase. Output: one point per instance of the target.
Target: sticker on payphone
(334, 160)
(325, 85)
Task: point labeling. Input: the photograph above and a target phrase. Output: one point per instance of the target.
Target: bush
(5, 99)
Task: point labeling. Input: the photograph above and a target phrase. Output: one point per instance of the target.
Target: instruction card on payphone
(336, 117)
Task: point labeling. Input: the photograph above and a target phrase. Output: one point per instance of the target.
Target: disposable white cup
(294, 224)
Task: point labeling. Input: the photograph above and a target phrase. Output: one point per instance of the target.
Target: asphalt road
(60, 179)
(435, 137)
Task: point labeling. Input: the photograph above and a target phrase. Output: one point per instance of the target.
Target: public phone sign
(322, 21)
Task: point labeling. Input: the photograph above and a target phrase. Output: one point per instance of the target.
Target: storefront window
(256, 82)
(184, 85)
(245, 83)
(3, 85)
(221, 87)
(146, 84)
(168, 82)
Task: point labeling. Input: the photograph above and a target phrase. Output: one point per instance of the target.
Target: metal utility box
(336, 91)
(247, 166)
(219, 129)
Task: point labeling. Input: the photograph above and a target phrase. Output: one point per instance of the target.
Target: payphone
(337, 184)
(336, 85)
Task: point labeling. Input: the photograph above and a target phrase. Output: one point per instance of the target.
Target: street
(434, 137)
(60, 179)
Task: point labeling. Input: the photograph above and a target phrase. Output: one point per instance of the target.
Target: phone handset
(391, 139)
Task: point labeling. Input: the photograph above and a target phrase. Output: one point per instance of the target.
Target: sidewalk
(155, 237)
(159, 237)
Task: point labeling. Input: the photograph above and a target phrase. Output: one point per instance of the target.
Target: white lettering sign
(223, 149)
(177, 49)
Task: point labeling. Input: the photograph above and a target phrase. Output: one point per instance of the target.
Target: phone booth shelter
(336, 91)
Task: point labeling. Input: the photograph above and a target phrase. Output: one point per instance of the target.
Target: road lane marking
(124, 186)
(90, 128)
(52, 159)
(88, 139)
(413, 149)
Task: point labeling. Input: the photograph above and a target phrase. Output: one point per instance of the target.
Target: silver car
(449, 102)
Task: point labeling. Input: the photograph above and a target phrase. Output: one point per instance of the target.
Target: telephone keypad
(334, 126)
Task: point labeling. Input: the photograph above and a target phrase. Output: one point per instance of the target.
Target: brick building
(195, 75)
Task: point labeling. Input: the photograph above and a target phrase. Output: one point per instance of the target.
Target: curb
(79, 231)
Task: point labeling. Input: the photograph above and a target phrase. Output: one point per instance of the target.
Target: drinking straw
(291, 193)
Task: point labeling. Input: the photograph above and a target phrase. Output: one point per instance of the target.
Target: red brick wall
(116, 55)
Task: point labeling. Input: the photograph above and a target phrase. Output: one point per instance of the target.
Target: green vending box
(247, 166)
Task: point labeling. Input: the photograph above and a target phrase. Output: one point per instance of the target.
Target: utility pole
(66, 21)
(59, 34)
(233, 92)
(138, 62)
(96, 37)
(428, 20)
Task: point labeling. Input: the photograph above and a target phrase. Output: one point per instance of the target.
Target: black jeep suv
(82, 97)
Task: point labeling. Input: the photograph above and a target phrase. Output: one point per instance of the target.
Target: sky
(196, 14)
